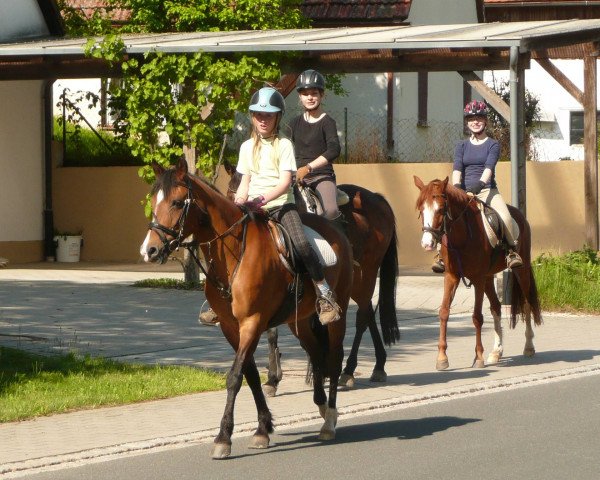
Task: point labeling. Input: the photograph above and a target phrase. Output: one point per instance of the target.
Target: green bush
(85, 149)
(569, 282)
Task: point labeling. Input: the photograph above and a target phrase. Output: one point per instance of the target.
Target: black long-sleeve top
(312, 140)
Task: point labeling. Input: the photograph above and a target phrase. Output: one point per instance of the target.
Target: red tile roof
(352, 12)
(88, 7)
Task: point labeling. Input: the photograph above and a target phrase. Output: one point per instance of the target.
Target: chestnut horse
(371, 229)
(248, 287)
(452, 217)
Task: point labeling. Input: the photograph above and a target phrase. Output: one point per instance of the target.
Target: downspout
(49, 247)
(514, 130)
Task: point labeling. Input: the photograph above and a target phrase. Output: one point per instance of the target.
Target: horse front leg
(222, 443)
(260, 439)
(496, 310)
(274, 373)
(450, 286)
(478, 362)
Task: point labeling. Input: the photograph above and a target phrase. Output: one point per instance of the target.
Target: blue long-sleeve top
(471, 160)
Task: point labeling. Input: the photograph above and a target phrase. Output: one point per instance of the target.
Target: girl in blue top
(474, 170)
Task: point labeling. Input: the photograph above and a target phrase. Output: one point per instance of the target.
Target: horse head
(181, 206)
(432, 206)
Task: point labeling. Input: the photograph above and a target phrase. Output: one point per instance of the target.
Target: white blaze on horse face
(428, 242)
(160, 196)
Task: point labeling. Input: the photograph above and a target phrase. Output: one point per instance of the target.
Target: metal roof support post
(517, 132)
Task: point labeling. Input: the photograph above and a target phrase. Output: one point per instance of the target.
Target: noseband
(171, 245)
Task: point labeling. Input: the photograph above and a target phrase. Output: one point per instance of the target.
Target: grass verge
(33, 385)
(569, 282)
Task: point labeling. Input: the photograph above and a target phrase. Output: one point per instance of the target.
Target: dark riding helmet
(310, 79)
(267, 99)
(475, 108)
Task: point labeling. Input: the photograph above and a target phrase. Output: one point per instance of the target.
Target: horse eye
(178, 203)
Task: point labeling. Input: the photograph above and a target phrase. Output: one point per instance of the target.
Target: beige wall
(105, 203)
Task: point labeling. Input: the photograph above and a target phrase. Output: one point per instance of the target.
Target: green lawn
(33, 385)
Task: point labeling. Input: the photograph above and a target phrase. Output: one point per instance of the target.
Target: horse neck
(223, 213)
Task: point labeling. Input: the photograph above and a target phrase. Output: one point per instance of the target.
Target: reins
(445, 229)
(177, 241)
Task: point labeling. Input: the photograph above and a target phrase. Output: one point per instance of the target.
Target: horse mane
(436, 187)
(168, 181)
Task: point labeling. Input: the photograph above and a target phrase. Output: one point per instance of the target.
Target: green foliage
(32, 385)
(85, 149)
(569, 282)
(167, 101)
(169, 283)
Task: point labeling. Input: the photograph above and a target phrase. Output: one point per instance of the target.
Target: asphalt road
(546, 431)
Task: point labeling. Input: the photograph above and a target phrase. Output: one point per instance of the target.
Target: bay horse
(452, 217)
(248, 287)
(371, 229)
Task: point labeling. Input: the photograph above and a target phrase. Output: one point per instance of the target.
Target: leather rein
(177, 241)
(446, 227)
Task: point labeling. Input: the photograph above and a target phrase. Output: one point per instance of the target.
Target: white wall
(74, 86)
(21, 161)
(555, 107)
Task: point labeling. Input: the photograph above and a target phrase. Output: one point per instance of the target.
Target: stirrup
(513, 259)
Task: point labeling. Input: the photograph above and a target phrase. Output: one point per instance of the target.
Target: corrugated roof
(525, 35)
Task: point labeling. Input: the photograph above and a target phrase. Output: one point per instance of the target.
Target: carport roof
(387, 48)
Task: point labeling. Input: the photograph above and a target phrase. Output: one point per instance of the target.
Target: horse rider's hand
(255, 204)
(301, 173)
(475, 189)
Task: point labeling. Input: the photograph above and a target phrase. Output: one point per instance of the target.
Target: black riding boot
(341, 224)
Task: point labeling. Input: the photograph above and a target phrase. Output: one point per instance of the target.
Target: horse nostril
(152, 252)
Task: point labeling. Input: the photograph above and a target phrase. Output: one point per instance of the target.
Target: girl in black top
(316, 143)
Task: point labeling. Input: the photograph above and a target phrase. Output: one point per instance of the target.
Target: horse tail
(388, 278)
(519, 299)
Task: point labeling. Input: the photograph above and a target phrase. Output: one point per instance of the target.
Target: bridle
(446, 227)
(447, 219)
(177, 241)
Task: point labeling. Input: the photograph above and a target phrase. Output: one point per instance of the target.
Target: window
(576, 127)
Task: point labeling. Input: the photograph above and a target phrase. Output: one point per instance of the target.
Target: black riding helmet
(310, 79)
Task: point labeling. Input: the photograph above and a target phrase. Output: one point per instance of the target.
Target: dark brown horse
(371, 229)
(247, 286)
(452, 217)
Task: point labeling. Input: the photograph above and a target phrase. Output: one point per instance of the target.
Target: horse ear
(419, 183)
(181, 168)
(446, 182)
(158, 169)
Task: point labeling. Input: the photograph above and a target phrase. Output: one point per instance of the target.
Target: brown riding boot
(438, 265)
(327, 308)
(208, 318)
(513, 259)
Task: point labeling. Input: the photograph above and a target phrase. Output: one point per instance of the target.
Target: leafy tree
(163, 102)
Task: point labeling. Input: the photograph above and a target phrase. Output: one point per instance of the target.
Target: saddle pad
(489, 229)
(323, 250)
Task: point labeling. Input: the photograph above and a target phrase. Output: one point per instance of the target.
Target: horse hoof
(327, 435)
(269, 390)
(346, 380)
(220, 451)
(529, 352)
(378, 376)
(259, 441)
(493, 358)
(478, 364)
(442, 365)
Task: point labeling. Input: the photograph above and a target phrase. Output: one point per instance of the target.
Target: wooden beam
(561, 78)
(487, 93)
(590, 150)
